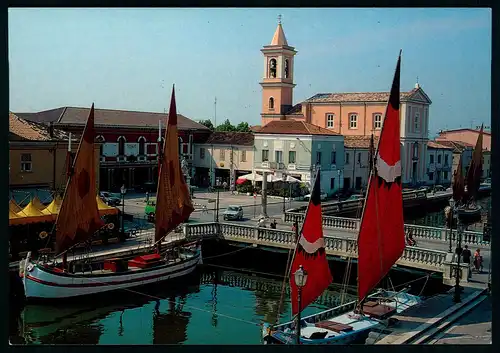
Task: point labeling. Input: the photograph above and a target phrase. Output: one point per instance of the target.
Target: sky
(129, 58)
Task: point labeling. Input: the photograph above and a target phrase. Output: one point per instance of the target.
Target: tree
(226, 126)
(207, 123)
(243, 127)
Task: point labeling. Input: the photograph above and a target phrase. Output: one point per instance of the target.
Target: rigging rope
(173, 302)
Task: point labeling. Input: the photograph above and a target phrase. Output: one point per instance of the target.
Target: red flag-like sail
(310, 254)
(475, 168)
(381, 239)
(173, 203)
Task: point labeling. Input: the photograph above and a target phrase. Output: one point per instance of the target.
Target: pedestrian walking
(295, 229)
(478, 261)
(147, 196)
(466, 256)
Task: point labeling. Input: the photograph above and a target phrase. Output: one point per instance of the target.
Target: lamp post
(217, 184)
(338, 191)
(123, 191)
(449, 215)
(300, 277)
(283, 177)
(456, 297)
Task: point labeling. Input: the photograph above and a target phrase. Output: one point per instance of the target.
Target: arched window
(142, 145)
(271, 103)
(287, 70)
(101, 140)
(121, 145)
(272, 68)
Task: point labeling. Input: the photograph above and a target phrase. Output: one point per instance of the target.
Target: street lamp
(456, 297)
(449, 214)
(283, 177)
(300, 277)
(338, 191)
(123, 191)
(216, 211)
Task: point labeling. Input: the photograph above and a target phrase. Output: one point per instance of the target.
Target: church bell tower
(277, 84)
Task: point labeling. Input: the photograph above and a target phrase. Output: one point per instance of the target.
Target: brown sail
(458, 183)
(78, 217)
(475, 168)
(173, 203)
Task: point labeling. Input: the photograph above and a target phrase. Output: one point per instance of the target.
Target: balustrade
(423, 232)
(347, 247)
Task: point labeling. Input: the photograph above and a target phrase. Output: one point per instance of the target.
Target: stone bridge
(427, 258)
(352, 225)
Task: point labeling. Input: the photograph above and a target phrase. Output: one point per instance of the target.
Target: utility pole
(215, 113)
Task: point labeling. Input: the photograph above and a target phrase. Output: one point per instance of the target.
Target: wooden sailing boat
(469, 210)
(381, 243)
(79, 219)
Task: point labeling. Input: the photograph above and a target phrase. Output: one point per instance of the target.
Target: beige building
(38, 155)
(357, 156)
(440, 163)
(223, 157)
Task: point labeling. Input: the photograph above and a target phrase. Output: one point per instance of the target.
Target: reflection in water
(210, 307)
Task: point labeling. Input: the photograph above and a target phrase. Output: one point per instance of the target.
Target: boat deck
(341, 326)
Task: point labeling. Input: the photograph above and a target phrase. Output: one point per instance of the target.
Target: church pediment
(419, 96)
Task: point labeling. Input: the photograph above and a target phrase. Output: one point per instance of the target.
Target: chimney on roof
(51, 129)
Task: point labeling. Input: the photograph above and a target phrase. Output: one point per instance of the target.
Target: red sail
(310, 253)
(78, 218)
(173, 203)
(459, 183)
(381, 239)
(475, 167)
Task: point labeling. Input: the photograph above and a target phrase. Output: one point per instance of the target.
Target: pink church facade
(349, 114)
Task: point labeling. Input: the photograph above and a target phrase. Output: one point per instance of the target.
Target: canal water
(224, 302)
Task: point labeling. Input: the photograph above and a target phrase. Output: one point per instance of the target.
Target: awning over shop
(54, 207)
(31, 214)
(14, 219)
(14, 207)
(104, 209)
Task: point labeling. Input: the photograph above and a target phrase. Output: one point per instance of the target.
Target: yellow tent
(37, 203)
(105, 209)
(31, 214)
(14, 207)
(54, 207)
(14, 219)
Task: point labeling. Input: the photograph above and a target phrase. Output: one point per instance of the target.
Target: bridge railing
(337, 246)
(423, 232)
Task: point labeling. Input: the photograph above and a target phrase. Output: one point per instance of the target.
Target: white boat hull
(42, 282)
(361, 325)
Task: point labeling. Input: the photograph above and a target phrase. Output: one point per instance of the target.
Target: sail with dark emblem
(78, 218)
(173, 203)
(381, 240)
(475, 168)
(310, 254)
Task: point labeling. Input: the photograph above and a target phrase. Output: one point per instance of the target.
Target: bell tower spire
(277, 84)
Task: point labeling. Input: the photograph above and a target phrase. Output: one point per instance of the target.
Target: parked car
(322, 196)
(146, 187)
(355, 197)
(439, 188)
(233, 213)
(109, 198)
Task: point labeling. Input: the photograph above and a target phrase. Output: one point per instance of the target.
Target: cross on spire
(279, 19)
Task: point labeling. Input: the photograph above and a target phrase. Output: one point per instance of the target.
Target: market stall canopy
(14, 219)
(14, 207)
(105, 209)
(249, 177)
(53, 207)
(40, 206)
(31, 214)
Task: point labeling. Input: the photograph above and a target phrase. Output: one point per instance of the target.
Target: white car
(322, 196)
